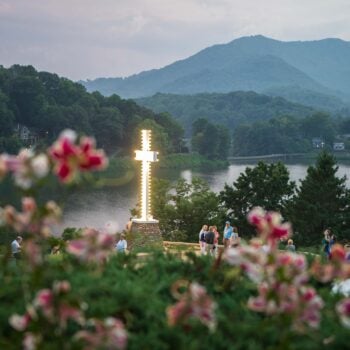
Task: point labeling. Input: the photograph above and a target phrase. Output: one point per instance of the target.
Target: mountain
(306, 97)
(229, 109)
(252, 63)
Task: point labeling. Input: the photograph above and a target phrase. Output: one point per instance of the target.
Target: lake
(98, 206)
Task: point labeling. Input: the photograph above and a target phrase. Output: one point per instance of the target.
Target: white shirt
(122, 245)
(15, 247)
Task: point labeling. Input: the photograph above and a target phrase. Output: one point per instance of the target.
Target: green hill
(46, 104)
(229, 109)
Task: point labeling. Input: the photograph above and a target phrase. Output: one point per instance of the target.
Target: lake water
(98, 206)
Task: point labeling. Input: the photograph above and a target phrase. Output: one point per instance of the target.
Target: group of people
(209, 238)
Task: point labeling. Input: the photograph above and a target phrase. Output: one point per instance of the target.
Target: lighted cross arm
(148, 156)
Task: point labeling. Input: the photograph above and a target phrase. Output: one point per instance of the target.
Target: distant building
(318, 142)
(338, 146)
(27, 136)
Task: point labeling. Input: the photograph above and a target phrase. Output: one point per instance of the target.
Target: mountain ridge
(318, 65)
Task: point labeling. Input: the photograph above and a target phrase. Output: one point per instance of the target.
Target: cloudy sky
(83, 39)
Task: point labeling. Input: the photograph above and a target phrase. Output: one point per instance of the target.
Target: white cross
(146, 156)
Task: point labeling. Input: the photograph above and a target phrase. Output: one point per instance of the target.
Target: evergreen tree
(321, 202)
(265, 185)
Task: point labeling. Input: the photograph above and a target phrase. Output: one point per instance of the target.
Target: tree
(182, 209)
(321, 202)
(265, 185)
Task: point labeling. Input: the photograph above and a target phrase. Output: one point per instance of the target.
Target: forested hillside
(230, 109)
(46, 104)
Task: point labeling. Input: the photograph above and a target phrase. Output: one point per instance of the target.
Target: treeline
(228, 109)
(288, 134)
(320, 201)
(46, 104)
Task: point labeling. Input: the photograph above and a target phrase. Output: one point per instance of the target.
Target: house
(318, 142)
(27, 136)
(338, 146)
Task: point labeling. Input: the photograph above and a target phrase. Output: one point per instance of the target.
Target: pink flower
(27, 168)
(269, 225)
(61, 287)
(44, 301)
(3, 166)
(338, 253)
(20, 323)
(66, 312)
(31, 341)
(70, 158)
(194, 303)
(93, 246)
(109, 333)
(343, 310)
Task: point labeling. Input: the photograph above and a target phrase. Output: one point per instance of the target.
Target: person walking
(209, 240)
(16, 247)
(202, 242)
(227, 234)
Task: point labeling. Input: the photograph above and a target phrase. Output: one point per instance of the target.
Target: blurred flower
(27, 168)
(343, 310)
(194, 303)
(93, 246)
(31, 341)
(269, 225)
(70, 158)
(3, 166)
(18, 322)
(32, 219)
(106, 334)
(44, 302)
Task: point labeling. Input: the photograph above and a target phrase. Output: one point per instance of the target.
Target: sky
(85, 39)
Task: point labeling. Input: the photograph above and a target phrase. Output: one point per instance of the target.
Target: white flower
(40, 165)
(68, 134)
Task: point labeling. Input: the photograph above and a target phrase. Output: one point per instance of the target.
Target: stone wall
(144, 235)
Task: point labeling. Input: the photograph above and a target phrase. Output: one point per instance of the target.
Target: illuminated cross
(146, 156)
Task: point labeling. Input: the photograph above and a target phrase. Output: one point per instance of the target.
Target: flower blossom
(31, 341)
(336, 268)
(70, 158)
(269, 225)
(343, 310)
(195, 303)
(92, 246)
(31, 219)
(281, 276)
(27, 168)
(107, 334)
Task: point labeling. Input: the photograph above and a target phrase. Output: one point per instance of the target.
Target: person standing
(16, 248)
(216, 240)
(209, 240)
(290, 246)
(122, 244)
(202, 242)
(326, 243)
(228, 230)
(234, 240)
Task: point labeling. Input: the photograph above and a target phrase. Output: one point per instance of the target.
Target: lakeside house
(338, 146)
(29, 137)
(318, 143)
